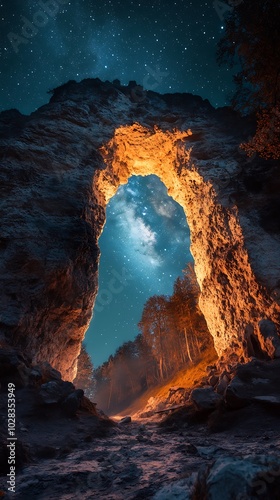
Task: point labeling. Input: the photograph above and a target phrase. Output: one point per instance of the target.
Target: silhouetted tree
(173, 333)
(85, 373)
(146, 363)
(266, 141)
(184, 305)
(154, 328)
(187, 317)
(252, 40)
(174, 327)
(126, 374)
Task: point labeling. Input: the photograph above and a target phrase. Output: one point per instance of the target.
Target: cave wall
(62, 164)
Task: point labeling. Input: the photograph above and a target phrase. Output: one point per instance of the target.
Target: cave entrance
(145, 245)
(222, 267)
(57, 269)
(135, 150)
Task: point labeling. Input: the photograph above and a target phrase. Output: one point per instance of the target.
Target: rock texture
(257, 381)
(205, 399)
(251, 477)
(61, 165)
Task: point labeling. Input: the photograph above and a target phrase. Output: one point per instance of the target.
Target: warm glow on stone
(59, 169)
(228, 285)
(136, 150)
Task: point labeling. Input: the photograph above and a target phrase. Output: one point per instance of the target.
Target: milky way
(145, 246)
(165, 46)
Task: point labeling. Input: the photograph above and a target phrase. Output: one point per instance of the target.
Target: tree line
(172, 335)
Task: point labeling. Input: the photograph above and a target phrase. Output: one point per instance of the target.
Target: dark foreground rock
(13, 367)
(55, 392)
(125, 420)
(227, 479)
(254, 381)
(241, 479)
(48, 417)
(190, 464)
(44, 372)
(72, 403)
(205, 399)
(67, 449)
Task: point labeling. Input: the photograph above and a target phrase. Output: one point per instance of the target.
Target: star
(154, 257)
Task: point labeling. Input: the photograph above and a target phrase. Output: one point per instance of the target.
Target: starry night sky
(144, 247)
(166, 47)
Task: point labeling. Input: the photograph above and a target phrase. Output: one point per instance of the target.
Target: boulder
(13, 367)
(254, 380)
(211, 368)
(241, 479)
(222, 386)
(44, 372)
(205, 399)
(179, 490)
(268, 338)
(213, 380)
(125, 420)
(54, 392)
(89, 406)
(35, 377)
(72, 403)
(225, 376)
(177, 395)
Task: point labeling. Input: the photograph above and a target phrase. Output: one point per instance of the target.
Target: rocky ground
(142, 460)
(216, 447)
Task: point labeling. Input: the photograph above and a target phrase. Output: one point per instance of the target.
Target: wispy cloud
(166, 209)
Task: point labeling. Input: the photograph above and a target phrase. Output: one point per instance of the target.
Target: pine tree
(153, 326)
(85, 374)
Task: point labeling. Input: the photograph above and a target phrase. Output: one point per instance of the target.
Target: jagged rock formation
(61, 165)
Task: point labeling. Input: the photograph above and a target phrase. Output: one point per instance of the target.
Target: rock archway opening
(138, 151)
(145, 245)
(230, 297)
(54, 211)
(65, 214)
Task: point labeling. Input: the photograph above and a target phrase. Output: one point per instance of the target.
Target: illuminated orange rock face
(59, 169)
(231, 299)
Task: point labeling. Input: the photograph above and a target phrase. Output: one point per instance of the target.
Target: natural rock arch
(60, 168)
(231, 299)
